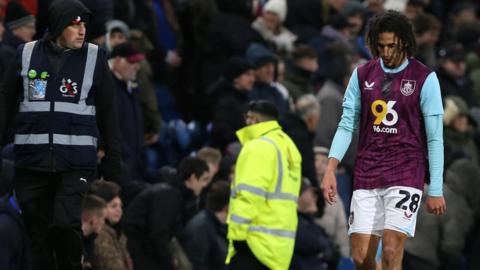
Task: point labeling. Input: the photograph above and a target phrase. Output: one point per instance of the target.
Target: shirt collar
(394, 70)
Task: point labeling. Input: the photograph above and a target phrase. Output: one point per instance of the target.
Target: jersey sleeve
(430, 97)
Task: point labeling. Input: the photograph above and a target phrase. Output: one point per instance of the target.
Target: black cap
(17, 15)
(128, 51)
(340, 22)
(235, 67)
(63, 13)
(454, 53)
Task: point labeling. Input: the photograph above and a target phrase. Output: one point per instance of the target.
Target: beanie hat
(128, 51)
(105, 189)
(17, 16)
(258, 55)
(278, 7)
(63, 12)
(235, 67)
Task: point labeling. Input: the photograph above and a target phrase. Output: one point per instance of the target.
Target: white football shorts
(394, 208)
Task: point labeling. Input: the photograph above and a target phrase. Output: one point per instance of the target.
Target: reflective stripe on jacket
(263, 204)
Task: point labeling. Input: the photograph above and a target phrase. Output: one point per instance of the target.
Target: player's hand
(329, 187)
(436, 205)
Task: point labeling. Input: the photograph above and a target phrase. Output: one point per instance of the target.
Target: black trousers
(244, 259)
(51, 206)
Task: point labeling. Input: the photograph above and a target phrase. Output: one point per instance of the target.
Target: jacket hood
(62, 13)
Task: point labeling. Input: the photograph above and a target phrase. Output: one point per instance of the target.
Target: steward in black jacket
(59, 97)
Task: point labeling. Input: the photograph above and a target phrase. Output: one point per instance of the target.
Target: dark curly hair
(395, 22)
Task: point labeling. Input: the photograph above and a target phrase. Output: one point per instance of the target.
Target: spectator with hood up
(62, 94)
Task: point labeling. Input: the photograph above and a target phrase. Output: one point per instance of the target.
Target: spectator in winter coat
(205, 236)
(110, 251)
(452, 74)
(270, 26)
(19, 28)
(158, 212)
(124, 65)
(299, 73)
(264, 62)
(301, 126)
(313, 249)
(15, 246)
(93, 218)
(439, 240)
(459, 131)
(230, 96)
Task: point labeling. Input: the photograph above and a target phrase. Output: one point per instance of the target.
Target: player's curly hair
(395, 22)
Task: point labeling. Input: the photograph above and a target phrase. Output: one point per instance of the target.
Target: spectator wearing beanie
(270, 26)
(111, 243)
(231, 94)
(68, 93)
(19, 28)
(265, 88)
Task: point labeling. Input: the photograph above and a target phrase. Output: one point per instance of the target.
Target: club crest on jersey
(407, 87)
(68, 88)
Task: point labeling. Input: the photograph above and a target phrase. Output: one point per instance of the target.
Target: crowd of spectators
(184, 70)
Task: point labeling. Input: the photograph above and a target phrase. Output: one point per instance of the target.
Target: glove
(111, 169)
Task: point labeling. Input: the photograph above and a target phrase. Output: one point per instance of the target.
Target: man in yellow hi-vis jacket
(262, 219)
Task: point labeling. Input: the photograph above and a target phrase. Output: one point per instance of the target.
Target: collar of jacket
(255, 131)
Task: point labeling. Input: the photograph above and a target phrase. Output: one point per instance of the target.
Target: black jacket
(297, 130)
(205, 241)
(313, 249)
(8, 46)
(150, 222)
(131, 129)
(228, 113)
(14, 247)
(462, 87)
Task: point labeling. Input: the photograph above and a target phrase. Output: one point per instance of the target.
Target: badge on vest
(37, 87)
(68, 88)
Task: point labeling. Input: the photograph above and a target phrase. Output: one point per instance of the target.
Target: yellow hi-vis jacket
(263, 203)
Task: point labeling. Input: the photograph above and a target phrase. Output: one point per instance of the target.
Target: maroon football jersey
(392, 148)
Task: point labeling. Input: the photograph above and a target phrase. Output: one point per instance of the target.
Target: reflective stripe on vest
(276, 232)
(277, 195)
(44, 106)
(240, 220)
(22, 139)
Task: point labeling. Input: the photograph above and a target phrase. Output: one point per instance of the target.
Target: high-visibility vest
(56, 125)
(263, 203)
